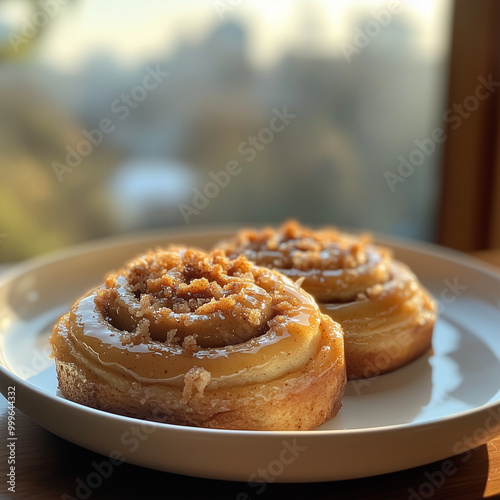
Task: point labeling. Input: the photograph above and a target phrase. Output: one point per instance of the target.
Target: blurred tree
(20, 41)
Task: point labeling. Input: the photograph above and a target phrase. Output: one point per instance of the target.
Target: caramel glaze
(172, 310)
(334, 266)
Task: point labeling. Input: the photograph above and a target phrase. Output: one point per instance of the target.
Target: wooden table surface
(48, 467)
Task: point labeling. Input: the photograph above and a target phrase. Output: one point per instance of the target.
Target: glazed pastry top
(334, 266)
(175, 310)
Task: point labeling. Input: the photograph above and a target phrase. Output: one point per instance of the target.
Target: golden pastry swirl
(386, 314)
(195, 335)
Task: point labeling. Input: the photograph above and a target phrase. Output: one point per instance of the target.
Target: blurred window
(122, 115)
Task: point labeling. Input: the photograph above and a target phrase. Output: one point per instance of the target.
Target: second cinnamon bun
(385, 312)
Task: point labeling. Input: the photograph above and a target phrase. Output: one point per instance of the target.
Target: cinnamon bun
(385, 312)
(192, 338)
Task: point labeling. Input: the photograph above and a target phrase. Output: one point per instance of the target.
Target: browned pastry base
(301, 400)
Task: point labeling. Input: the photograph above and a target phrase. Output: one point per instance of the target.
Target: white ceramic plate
(442, 404)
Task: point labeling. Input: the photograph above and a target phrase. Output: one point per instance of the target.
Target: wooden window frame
(469, 217)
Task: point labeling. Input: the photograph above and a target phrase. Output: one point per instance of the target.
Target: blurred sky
(150, 28)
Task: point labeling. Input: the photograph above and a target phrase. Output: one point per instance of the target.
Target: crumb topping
(192, 299)
(293, 246)
(195, 383)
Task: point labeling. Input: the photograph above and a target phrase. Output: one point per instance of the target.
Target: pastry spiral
(386, 314)
(185, 337)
